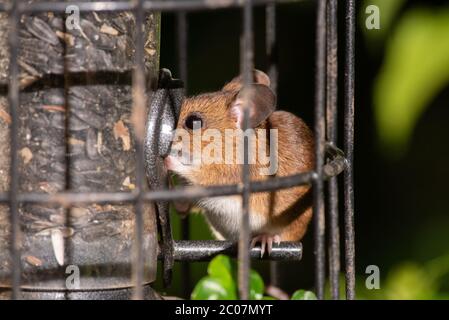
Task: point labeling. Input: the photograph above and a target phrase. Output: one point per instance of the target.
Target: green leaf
(257, 286)
(303, 295)
(409, 281)
(221, 283)
(209, 288)
(220, 267)
(415, 70)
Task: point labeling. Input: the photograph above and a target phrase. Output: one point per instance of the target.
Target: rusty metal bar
(182, 35)
(247, 56)
(182, 193)
(349, 149)
(160, 5)
(332, 126)
(138, 116)
(271, 45)
(320, 96)
(272, 70)
(14, 103)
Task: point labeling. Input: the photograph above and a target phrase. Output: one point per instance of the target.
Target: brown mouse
(277, 216)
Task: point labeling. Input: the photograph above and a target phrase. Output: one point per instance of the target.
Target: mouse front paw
(266, 241)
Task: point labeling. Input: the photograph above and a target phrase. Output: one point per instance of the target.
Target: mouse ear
(260, 100)
(236, 84)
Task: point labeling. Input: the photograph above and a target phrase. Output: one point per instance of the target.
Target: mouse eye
(194, 118)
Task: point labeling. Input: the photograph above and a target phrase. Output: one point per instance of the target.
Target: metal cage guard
(325, 129)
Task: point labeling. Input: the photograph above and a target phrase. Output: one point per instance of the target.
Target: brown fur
(288, 210)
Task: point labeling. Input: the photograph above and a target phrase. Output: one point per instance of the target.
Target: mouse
(210, 119)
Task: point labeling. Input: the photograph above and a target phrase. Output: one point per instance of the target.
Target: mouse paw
(266, 241)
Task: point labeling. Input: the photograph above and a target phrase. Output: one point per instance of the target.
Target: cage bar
(331, 130)
(247, 56)
(182, 36)
(271, 45)
(333, 168)
(272, 70)
(13, 99)
(205, 250)
(160, 5)
(182, 28)
(138, 112)
(318, 201)
(349, 149)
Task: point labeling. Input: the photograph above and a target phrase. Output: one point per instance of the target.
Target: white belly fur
(224, 215)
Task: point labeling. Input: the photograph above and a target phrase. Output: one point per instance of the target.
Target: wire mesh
(325, 122)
